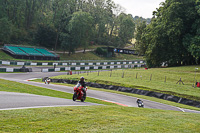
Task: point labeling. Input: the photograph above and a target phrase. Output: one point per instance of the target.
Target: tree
(45, 36)
(80, 28)
(5, 30)
(126, 29)
(141, 44)
(168, 34)
(29, 18)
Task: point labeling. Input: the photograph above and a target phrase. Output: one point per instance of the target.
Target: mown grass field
(151, 79)
(100, 119)
(109, 118)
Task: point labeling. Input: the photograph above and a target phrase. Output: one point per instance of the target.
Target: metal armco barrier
(70, 68)
(71, 63)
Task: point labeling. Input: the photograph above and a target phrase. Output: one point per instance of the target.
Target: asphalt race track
(12, 100)
(18, 100)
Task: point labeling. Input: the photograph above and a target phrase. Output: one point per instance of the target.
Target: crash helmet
(82, 79)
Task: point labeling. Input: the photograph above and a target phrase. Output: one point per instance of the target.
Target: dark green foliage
(5, 30)
(45, 36)
(64, 24)
(172, 35)
(101, 51)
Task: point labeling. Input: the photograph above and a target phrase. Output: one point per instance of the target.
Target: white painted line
(42, 107)
(181, 109)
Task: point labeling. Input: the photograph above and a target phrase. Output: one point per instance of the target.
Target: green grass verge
(93, 56)
(104, 119)
(157, 82)
(4, 56)
(76, 56)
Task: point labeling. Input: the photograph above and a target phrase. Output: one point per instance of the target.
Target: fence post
(165, 79)
(150, 77)
(123, 74)
(98, 73)
(136, 75)
(111, 73)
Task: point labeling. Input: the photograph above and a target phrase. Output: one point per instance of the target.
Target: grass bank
(91, 119)
(162, 80)
(104, 119)
(76, 56)
(93, 56)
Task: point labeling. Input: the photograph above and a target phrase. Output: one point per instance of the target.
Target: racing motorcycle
(140, 104)
(78, 93)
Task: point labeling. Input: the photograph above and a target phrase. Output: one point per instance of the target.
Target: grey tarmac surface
(12, 100)
(106, 96)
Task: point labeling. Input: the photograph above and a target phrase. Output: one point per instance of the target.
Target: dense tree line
(65, 24)
(172, 37)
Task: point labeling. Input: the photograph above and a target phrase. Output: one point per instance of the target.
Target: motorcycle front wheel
(83, 98)
(74, 96)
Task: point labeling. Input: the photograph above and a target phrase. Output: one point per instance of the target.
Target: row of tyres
(70, 63)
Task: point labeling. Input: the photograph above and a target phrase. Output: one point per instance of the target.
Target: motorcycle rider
(82, 82)
(139, 101)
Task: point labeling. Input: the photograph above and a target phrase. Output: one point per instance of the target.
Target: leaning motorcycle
(140, 104)
(78, 93)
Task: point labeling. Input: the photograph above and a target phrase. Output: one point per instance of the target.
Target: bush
(101, 51)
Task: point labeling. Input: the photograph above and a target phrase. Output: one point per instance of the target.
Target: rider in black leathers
(139, 101)
(82, 82)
